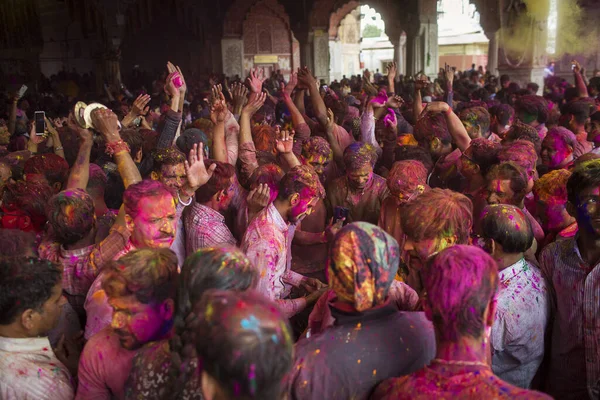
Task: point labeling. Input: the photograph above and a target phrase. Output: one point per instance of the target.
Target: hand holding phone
(21, 91)
(340, 213)
(40, 123)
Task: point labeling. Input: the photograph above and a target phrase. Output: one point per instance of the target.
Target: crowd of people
(380, 237)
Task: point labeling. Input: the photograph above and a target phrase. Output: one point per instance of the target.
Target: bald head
(508, 226)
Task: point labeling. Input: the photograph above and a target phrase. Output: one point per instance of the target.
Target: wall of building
(267, 42)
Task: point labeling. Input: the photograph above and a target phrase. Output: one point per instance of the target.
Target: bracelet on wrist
(116, 147)
(448, 111)
(184, 203)
(57, 148)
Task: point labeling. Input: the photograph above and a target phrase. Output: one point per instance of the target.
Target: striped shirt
(31, 371)
(205, 227)
(575, 353)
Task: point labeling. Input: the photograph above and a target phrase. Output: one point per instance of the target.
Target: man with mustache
(151, 216)
(141, 289)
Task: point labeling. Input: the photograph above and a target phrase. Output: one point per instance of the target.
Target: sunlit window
(552, 27)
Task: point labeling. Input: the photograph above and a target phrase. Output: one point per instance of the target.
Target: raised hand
(291, 85)
(421, 82)
(449, 74)
(256, 79)
(36, 139)
(172, 68)
(140, 105)
(170, 88)
(106, 122)
(392, 70)
(306, 78)
(239, 92)
(285, 141)
(195, 170)
(255, 103)
(395, 101)
(84, 134)
(218, 109)
(576, 66)
(330, 120)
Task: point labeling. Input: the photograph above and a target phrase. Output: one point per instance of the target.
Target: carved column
(492, 66)
(321, 54)
(232, 50)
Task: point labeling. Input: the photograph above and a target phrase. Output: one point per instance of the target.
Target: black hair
(25, 283)
(414, 153)
(584, 176)
(508, 226)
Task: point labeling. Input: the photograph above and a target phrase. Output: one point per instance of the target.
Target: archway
(258, 34)
(461, 38)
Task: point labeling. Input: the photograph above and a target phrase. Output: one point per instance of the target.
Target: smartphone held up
(40, 123)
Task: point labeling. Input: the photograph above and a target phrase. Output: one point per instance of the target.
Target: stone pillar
(232, 51)
(411, 54)
(524, 66)
(492, 66)
(430, 48)
(321, 54)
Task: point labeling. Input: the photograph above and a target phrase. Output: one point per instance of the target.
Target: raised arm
(12, 117)
(455, 126)
(420, 83)
(338, 152)
(449, 73)
(106, 122)
(139, 108)
(239, 93)
(287, 91)
(218, 112)
(247, 151)
(285, 145)
(579, 81)
(309, 81)
(80, 172)
(392, 70)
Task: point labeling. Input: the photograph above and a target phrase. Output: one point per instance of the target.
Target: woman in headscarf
(369, 338)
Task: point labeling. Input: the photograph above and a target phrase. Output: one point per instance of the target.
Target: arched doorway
(258, 34)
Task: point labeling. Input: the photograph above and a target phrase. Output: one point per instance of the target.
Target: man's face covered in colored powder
(552, 213)
(173, 176)
(156, 222)
(320, 164)
(588, 210)
(304, 206)
(554, 152)
(498, 191)
(358, 178)
(136, 323)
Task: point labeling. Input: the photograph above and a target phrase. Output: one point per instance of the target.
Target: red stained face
(137, 323)
(156, 222)
(499, 192)
(320, 164)
(553, 215)
(173, 176)
(303, 208)
(555, 152)
(359, 178)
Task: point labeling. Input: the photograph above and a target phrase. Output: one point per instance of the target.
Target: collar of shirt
(276, 218)
(25, 345)
(82, 252)
(510, 272)
(202, 211)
